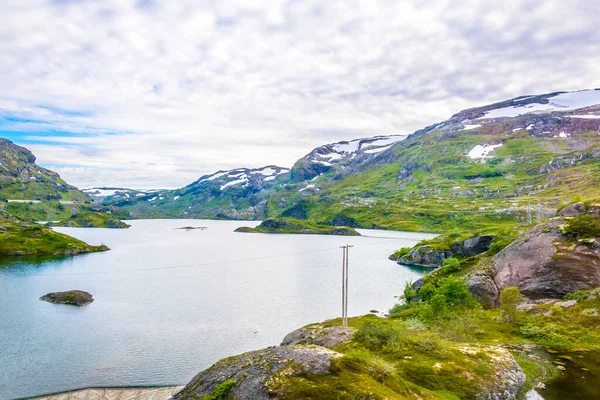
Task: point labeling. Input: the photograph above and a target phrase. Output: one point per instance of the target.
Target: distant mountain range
(492, 159)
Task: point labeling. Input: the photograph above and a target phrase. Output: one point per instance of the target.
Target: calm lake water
(169, 302)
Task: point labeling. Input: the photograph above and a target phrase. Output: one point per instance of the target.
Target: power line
(186, 266)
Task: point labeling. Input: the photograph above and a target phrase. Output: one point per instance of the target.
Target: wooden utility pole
(345, 254)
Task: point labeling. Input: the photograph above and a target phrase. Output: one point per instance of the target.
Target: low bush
(583, 226)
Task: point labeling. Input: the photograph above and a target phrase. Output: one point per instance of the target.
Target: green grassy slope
(20, 238)
(433, 186)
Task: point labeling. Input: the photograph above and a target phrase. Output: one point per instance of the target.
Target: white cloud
(189, 87)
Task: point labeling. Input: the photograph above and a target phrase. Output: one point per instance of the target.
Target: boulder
(319, 335)
(545, 264)
(573, 210)
(256, 373)
(425, 256)
(433, 256)
(483, 287)
(474, 245)
(72, 297)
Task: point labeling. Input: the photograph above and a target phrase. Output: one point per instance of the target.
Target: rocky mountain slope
(22, 179)
(30, 193)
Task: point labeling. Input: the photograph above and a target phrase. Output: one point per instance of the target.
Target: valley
(498, 270)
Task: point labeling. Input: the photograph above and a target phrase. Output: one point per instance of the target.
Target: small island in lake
(71, 297)
(291, 225)
(92, 219)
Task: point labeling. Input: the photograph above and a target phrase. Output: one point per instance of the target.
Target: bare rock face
(425, 256)
(256, 372)
(72, 297)
(319, 335)
(545, 264)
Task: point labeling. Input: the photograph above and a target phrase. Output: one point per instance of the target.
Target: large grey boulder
(255, 373)
(572, 210)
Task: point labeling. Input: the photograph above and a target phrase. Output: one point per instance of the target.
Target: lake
(170, 302)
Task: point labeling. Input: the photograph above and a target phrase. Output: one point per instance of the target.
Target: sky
(154, 94)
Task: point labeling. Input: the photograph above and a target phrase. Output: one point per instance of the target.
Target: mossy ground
(407, 357)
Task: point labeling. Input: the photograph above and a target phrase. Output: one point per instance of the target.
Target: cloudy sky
(153, 94)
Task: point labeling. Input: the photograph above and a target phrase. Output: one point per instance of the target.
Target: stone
(72, 297)
(573, 210)
(566, 304)
(484, 289)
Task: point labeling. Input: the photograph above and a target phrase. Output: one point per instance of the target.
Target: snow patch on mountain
(471, 126)
(331, 154)
(589, 116)
(236, 182)
(567, 101)
(482, 151)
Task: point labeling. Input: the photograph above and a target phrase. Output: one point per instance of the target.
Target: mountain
(491, 165)
(30, 193)
(22, 179)
(243, 193)
(341, 156)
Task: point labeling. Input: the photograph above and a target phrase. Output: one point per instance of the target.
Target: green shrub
(583, 226)
(409, 292)
(451, 264)
(509, 299)
(221, 391)
(398, 254)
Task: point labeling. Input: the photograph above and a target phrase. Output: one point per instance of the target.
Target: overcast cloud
(156, 93)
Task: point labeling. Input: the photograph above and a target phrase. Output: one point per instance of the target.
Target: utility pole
(345, 254)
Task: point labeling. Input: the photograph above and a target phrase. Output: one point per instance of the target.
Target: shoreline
(112, 393)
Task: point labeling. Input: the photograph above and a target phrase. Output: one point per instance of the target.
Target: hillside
(22, 179)
(489, 166)
(30, 193)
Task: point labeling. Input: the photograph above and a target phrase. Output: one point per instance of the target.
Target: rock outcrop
(256, 373)
(319, 335)
(432, 256)
(546, 263)
(72, 297)
(483, 287)
(509, 375)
